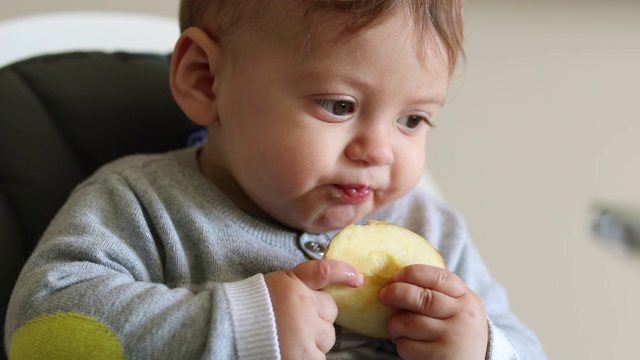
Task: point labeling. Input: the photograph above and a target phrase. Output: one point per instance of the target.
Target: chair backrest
(61, 117)
(54, 33)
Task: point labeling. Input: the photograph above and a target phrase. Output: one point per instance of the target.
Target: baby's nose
(373, 147)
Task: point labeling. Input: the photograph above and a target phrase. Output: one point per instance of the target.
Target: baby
(317, 113)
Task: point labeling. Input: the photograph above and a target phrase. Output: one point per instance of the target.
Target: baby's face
(317, 140)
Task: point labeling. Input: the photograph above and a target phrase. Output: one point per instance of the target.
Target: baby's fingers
(434, 278)
(410, 325)
(425, 290)
(317, 274)
(419, 300)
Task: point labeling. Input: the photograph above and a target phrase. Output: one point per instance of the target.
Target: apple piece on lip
(377, 249)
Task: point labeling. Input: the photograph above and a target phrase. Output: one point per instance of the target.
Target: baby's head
(433, 19)
(317, 110)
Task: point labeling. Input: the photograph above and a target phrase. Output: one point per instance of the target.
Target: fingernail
(359, 278)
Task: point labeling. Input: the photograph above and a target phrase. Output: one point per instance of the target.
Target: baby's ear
(194, 66)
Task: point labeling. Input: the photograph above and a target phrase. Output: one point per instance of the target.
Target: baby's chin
(326, 222)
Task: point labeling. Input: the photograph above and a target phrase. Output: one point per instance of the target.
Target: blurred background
(542, 126)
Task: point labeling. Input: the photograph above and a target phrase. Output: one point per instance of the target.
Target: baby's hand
(304, 315)
(440, 317)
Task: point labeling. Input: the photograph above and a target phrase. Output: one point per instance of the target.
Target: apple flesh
(377, 249)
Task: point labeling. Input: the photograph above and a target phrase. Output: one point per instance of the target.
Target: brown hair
(435, 19)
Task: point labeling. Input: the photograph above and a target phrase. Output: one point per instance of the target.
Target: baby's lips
(360, 189)
(355, 193)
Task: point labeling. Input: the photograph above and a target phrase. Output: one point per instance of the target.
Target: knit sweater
(149, 260)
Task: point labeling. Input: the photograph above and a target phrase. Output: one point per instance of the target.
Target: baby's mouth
(355, 193)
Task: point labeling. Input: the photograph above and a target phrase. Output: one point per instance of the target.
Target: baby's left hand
(440, 316)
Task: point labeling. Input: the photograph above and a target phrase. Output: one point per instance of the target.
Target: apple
(377, 249)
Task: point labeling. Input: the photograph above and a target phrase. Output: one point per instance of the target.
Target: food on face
(377, 249)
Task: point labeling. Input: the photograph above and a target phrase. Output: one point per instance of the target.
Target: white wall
(542, 122)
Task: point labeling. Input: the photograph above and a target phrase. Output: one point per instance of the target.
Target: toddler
(317, 113)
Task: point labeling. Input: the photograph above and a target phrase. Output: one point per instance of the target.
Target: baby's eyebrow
(335, 77)
(429, 100)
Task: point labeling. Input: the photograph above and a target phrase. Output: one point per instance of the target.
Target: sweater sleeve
(112, 277)
(499, 347)
(253, 342)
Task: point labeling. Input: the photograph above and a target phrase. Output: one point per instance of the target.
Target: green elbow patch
(64, 336)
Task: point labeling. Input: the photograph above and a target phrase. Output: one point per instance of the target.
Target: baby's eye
(338, 107)
(413, 121)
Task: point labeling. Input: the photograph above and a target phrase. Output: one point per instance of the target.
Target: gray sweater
(149, 260)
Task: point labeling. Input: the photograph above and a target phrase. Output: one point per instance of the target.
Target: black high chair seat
(61, 117)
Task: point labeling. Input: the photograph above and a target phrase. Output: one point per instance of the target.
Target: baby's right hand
(305, 315)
